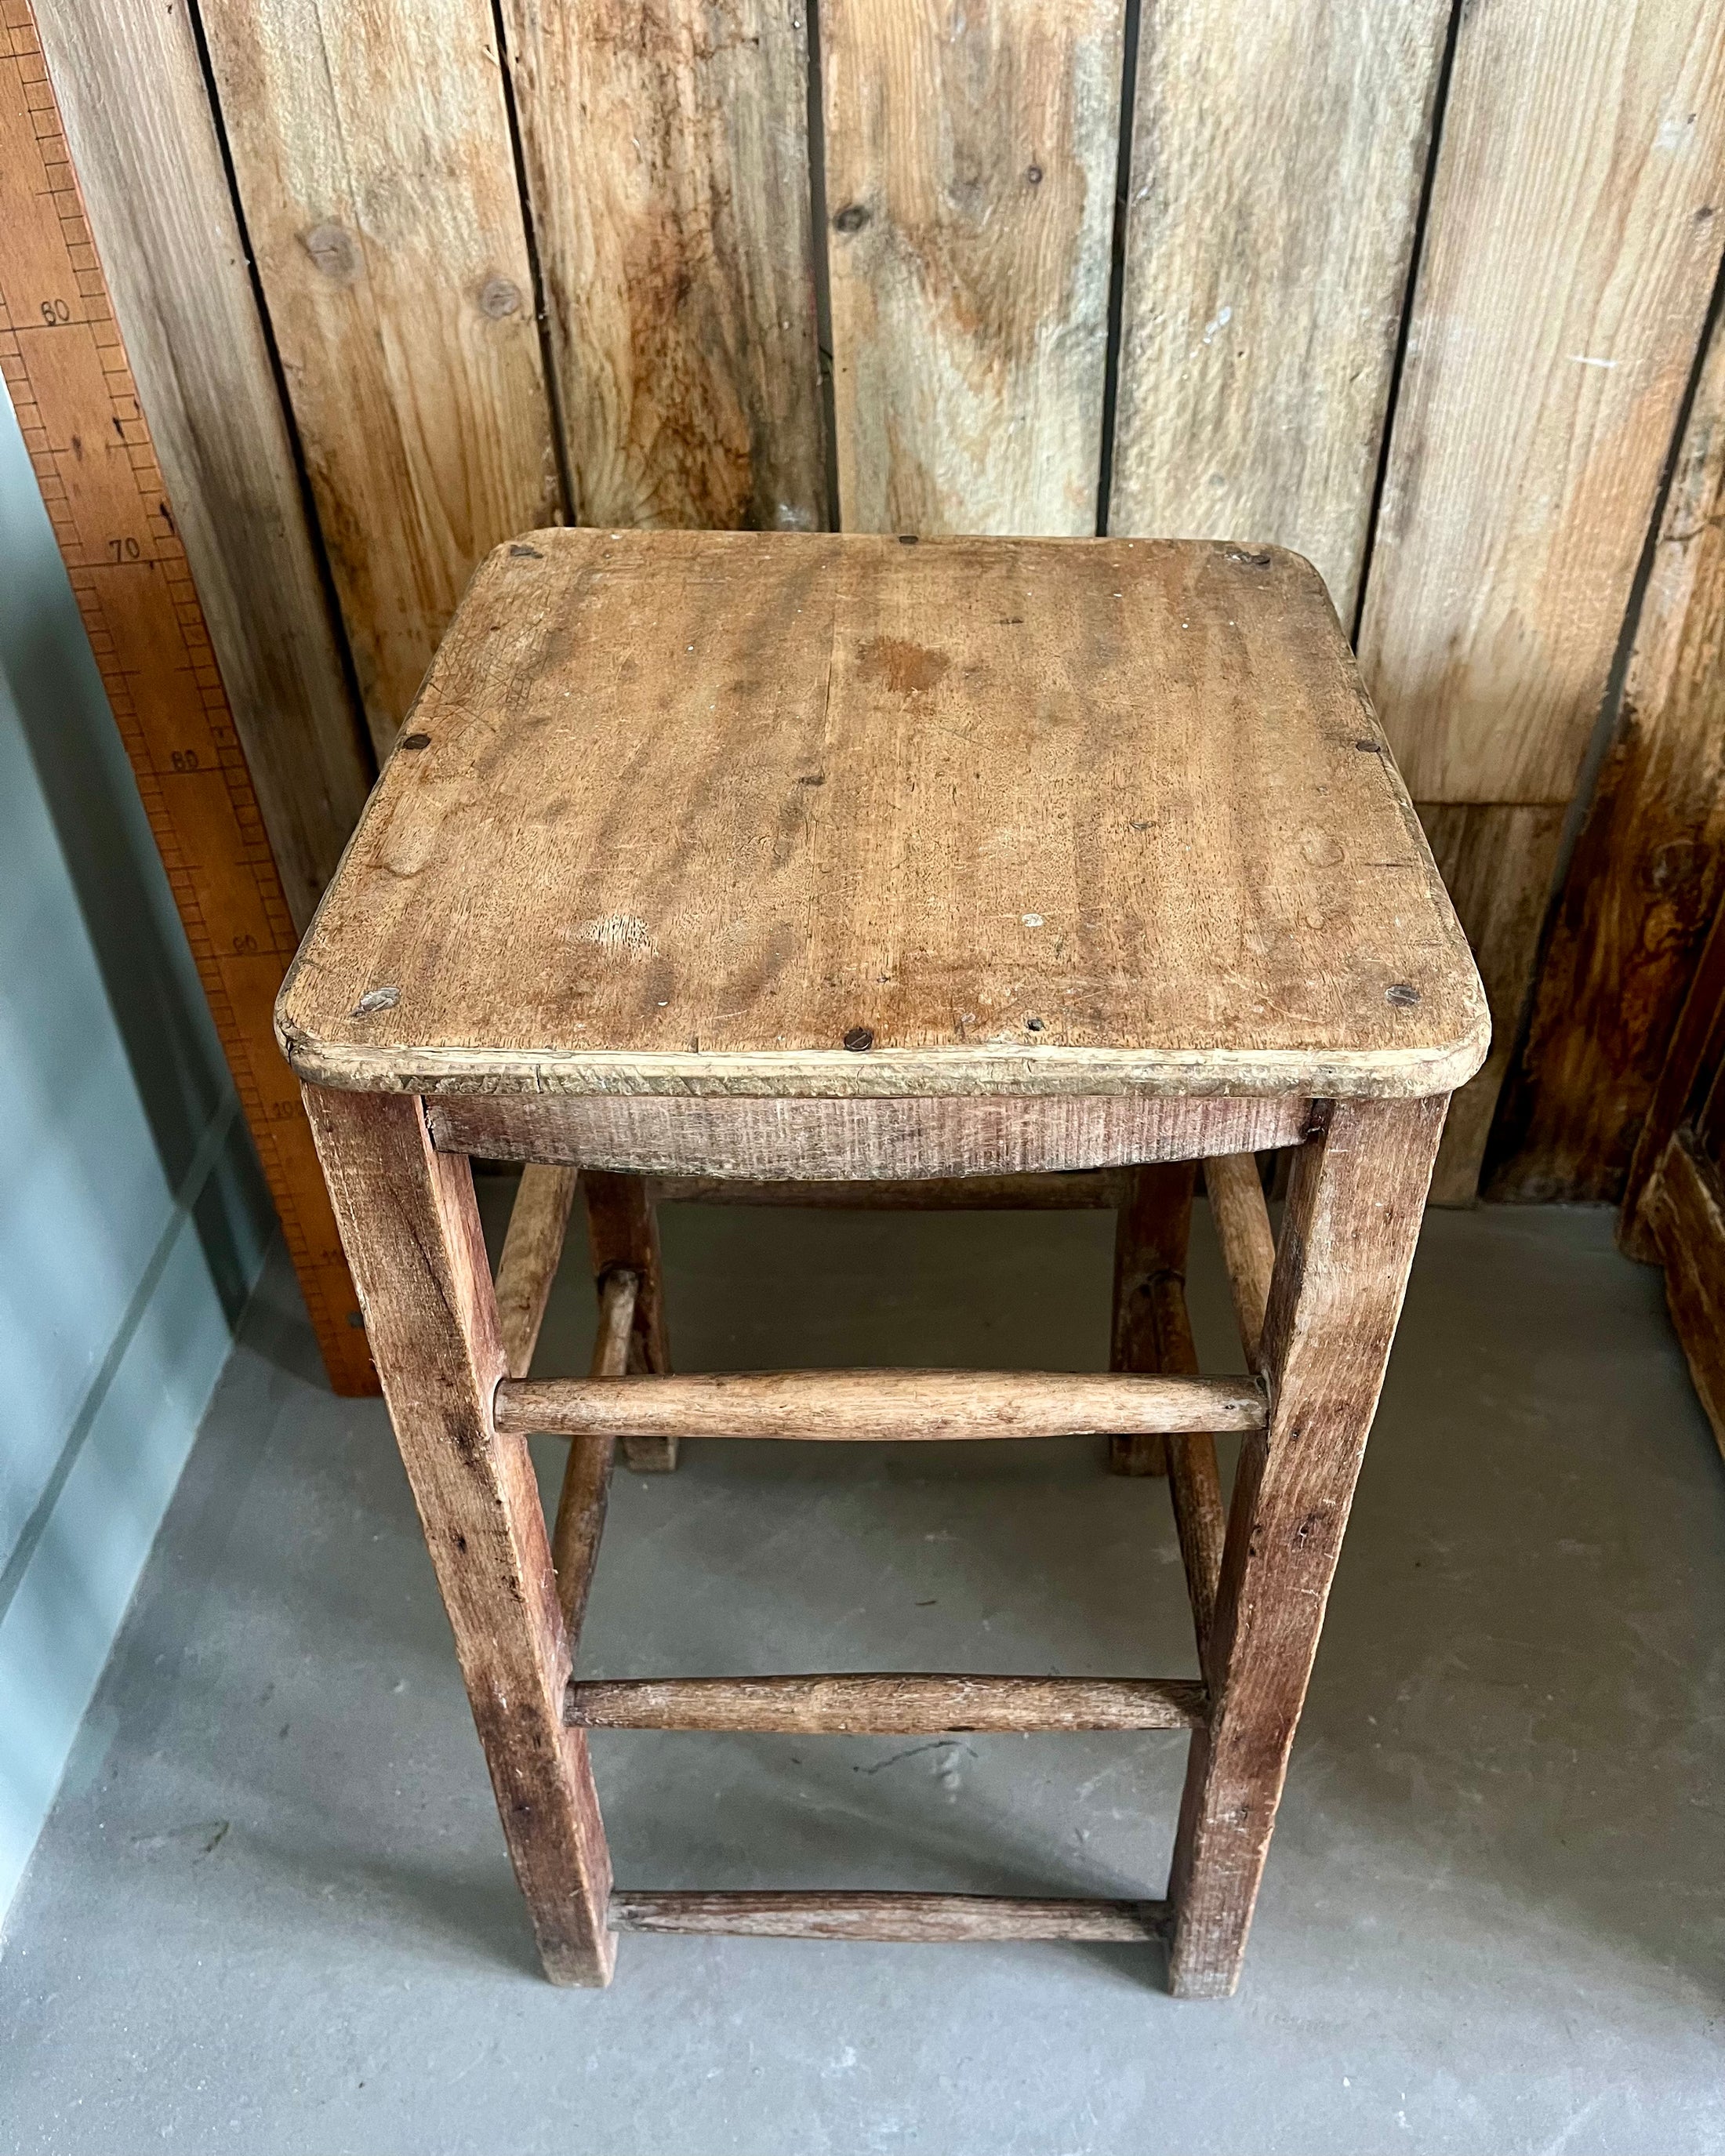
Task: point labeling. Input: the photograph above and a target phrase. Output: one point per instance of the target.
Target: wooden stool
(853, 859)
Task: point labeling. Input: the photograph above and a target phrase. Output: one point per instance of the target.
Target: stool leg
(411, 1230)
(1351, 1220)
(527, 1265)
(1152, 1333)
(623, 1229)
(1150, 1229)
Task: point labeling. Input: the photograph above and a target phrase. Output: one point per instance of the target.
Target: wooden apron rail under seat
(913, 1139)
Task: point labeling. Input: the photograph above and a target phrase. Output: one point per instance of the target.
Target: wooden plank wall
(971, 152)
(1648, 869)
(666, 151)
(1562, 290)
(1418, 288)
(1279, 157)
(149, 157)
(372, 149)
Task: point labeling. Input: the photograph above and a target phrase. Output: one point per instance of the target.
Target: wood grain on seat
(814, 816)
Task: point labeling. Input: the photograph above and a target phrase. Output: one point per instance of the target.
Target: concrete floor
(272, 1910)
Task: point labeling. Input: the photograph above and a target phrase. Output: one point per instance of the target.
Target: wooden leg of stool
(527, 1267)
(624, 1231)
(1151, 1228)
(1152, 1331)
(1351, 1220)
(411, 1230)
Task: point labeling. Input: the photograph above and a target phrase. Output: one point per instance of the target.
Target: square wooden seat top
(825, 816)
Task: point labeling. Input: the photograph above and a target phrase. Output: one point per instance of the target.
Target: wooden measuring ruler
(65, 365)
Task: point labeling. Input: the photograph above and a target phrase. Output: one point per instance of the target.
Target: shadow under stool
(857, 861)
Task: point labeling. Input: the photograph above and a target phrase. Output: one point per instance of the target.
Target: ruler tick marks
(65, 365)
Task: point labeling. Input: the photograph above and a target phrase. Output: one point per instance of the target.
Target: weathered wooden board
(137, 119)
(1498, 862)
(1241, 1220)
(971, 150)
(623, 1236)
(527, 1267)
(1569, 255)
(919, 1140)
(372, 147)
(1648, 869)
(874, 1406)
(916, 1919)
(665, 147)
(1279, 151)
(580, 1523)
(1355, 1197)
(1571, 249)
(900, 1705)
(412, 1231)
(1029, 817)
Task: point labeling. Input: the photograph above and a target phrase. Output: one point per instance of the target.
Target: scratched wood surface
(753, 1141)
(971, 147)
(967, 816)
(1650, 865)
(1570, 251)
(138, 120)
(1278, 152)
(666, 153)
(372, 147)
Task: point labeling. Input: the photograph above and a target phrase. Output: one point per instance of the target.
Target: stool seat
(825, 816)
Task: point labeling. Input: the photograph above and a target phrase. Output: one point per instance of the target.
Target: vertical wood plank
(1497, 859)
(1347, 1237)
(1649, 867)
(971, 149)
(137, 116)
(1570, 252)
(412, 1232)
(1278, 152)
(666, 153)
(371, 143)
